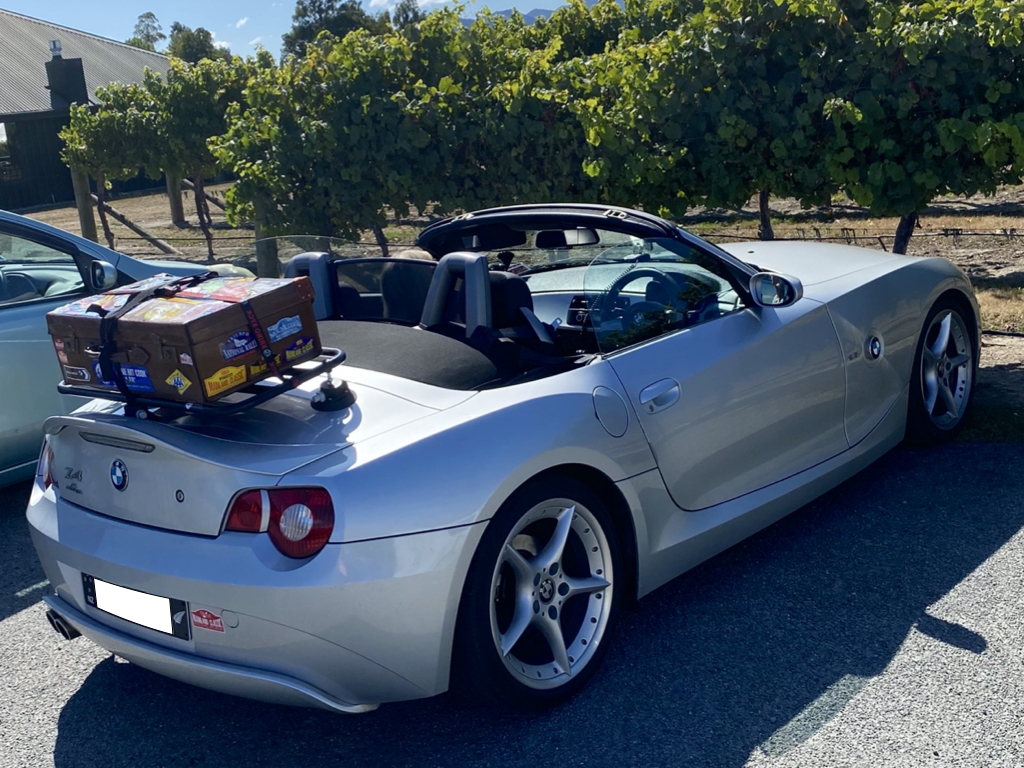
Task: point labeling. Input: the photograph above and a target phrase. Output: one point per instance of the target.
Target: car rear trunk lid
(183, 475)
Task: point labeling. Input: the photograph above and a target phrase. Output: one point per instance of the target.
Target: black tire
(923, 427)
(480, 672)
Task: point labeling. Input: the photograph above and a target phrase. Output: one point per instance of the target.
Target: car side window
(30, 271)
(667, 287)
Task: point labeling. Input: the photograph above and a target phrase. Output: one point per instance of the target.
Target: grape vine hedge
(662, 104)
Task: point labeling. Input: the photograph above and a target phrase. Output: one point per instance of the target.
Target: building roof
(26, 50)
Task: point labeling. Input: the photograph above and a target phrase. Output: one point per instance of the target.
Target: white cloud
(255, 40)
(222, 44)
(380, 3)
(241, 22)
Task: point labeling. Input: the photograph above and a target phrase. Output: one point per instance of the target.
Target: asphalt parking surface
(879, 626)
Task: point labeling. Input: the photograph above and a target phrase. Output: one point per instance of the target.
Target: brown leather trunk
(191, 342)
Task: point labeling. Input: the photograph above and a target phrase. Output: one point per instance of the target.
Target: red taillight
(298, 520)
(246, 513)
(301, 520)
(46, 465)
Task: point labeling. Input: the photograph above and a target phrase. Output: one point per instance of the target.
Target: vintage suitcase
(187, 340)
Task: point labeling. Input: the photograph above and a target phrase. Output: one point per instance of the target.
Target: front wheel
(944, 370)
(540, 598)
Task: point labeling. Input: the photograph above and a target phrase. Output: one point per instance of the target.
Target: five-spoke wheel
(943, 375)
(548, 565)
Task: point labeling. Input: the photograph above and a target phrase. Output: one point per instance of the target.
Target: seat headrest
(509, 294)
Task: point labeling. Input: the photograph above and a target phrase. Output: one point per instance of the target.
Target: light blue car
(42, 267)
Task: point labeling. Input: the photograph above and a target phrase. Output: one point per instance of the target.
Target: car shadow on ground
(754, 650)
(22, 581)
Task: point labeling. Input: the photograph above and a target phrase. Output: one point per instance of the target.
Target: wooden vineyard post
(83, 201)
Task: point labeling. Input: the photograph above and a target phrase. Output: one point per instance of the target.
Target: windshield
(661, 287)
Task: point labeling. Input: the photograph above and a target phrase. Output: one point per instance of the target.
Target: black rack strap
(108, 330)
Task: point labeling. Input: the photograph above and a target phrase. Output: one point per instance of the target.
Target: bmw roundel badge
(119, 475)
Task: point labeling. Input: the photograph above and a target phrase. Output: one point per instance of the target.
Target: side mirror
(770, 289)
(102, 275)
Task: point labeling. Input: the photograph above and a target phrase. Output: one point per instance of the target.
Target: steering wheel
(637, 312)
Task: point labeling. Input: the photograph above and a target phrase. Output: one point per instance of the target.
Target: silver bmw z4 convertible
(561, 409)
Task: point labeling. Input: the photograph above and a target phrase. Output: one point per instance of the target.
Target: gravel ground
(878, 626)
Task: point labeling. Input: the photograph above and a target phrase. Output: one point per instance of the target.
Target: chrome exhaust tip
(61, 626)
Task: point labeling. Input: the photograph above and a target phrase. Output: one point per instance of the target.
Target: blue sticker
(136, 377)
(99, 376)
(238, 344)
(285, 327)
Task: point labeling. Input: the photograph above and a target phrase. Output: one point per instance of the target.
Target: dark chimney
(66, 78)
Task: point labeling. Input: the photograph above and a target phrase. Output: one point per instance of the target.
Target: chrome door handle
(659, 395)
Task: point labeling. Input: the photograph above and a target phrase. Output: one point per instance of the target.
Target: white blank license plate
(160, 613)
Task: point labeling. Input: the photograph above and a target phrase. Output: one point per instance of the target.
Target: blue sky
(241, 24)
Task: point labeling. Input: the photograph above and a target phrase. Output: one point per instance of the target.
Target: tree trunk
(267, 262)
(83, 201)
(904, 230)
(382, 240)
(764, 229)
(203, 211)
(174, 196)
(101, 191)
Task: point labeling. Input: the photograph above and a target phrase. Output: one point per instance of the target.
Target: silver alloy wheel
(947, 369)
(551, 593)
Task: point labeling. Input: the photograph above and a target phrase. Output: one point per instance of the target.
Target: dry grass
(1002, 308)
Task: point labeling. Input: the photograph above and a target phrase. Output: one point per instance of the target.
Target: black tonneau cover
(412, 353)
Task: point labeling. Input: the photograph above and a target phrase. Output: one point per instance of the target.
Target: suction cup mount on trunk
(333, 396)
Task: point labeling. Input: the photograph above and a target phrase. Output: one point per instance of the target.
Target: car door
(37, 274)
(733, 397)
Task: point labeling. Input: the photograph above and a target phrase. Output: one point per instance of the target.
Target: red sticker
(203, 619)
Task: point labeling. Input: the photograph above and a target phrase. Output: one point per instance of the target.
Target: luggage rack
(143, 407)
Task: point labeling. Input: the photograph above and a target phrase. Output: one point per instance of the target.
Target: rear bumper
(357, 625)
(217, 676)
